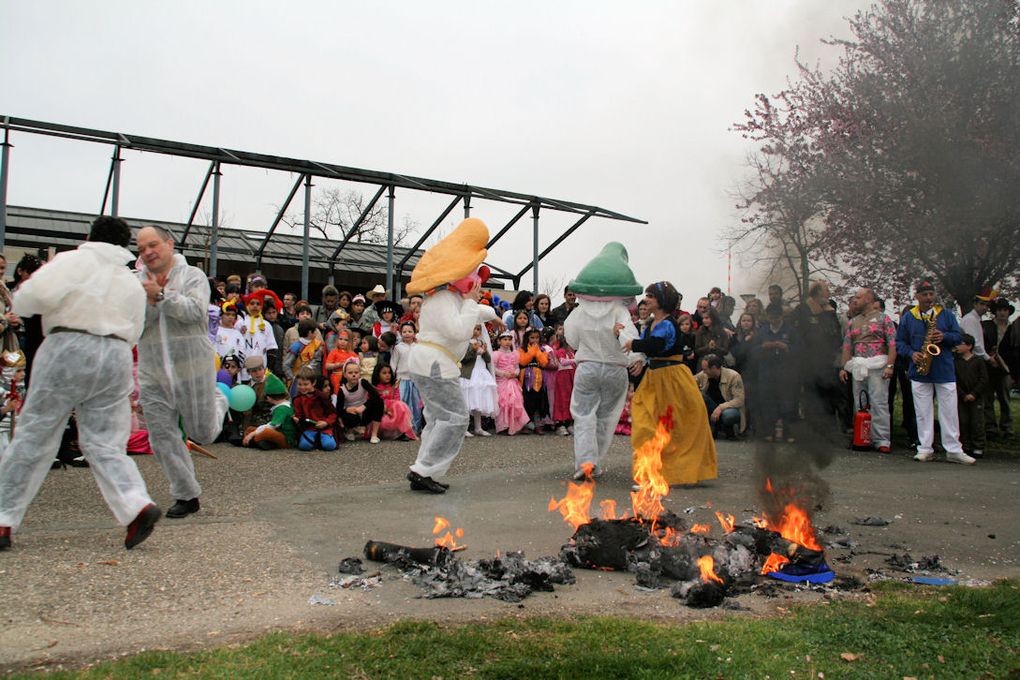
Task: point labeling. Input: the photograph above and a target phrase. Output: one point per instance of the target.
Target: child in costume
(396, 419)
(257, 336)
(389, 312)
(450, 275)
(314, 412)
(624, 426)
(689, 455)
(338, 356)
(521, 324)
(511, 415)
(564, 379)
(359, 405)
(532, 360)
(478, 381)
(549, 371)
(12, 394)
(368, 357)
(399, 358)
(228, 339)
(306, 352)
(279, 432)
(597, 329)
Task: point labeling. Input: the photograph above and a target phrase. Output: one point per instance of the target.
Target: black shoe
(419, 483)
(182, 508)
(141, 526)
(5, 538)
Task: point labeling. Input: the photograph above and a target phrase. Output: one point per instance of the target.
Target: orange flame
(574, 506)
(670, 537)
(652, 486)
(796, 527)
(773, 563)
(707, 566)
(608, 509)
(725, 520)
(760, 522)
(449, 539)
(701, 529)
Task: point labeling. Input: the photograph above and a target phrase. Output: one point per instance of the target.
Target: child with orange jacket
(532, 360)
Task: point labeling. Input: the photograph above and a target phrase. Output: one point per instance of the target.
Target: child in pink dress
(511, 415)
(564, 387)
(396, 420)
(623, 427)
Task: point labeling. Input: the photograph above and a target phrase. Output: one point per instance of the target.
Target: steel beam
(555, 243)
(279, 216)
(115, 199)
(411, 251)
(354, 230)
(5, 159)
(467, 206)
(198, 202)
(214, 236)
(534, 249)
(391, 196)
(506, 227)
(307, 235)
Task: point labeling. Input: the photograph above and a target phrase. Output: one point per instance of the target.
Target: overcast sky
(623, 105)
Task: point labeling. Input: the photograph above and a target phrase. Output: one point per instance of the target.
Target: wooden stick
(192, 446)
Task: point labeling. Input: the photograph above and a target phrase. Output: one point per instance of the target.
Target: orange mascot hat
(453, 258)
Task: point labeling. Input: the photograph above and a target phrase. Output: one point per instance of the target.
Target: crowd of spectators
(334, 372)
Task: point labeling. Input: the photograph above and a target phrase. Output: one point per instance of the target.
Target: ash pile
(439, 573)
(699, 569)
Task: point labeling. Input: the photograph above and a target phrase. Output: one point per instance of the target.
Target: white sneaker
(570, 429)
(468, 434)
(483, 433)
(374, 440)
(977, 453)
(349, 436)
(961, 458)
(562, 431)
(925, 457)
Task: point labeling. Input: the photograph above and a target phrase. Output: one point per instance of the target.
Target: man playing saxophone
(927, 334)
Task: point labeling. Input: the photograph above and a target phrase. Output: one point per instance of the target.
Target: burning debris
(660, 548)
(439, 573)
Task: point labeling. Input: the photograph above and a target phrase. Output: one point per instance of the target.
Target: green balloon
(242, 397)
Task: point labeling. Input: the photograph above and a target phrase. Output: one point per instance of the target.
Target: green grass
(901, 631)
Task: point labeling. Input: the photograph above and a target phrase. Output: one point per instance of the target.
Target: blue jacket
(910, 337)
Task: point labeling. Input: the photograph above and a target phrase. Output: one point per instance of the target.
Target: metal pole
(389, 240)
(215, 236)
(115, 201)
(467, 206)
(534, 252)
(5, 158)
(305, 239)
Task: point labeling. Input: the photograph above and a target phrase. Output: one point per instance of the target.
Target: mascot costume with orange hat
(450, 276)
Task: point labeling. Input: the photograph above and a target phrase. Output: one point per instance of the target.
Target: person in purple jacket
(940, 381)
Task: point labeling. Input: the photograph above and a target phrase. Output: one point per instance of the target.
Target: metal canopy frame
(306, 170)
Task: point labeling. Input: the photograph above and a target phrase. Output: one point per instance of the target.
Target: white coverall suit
(92, 310)
(447, 324)
(177, 375)
(600, 381)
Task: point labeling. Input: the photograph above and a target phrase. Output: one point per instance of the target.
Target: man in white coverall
(92, 310)
(597, 329)
(176, 365)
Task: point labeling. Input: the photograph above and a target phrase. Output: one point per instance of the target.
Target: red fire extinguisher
(862, 425)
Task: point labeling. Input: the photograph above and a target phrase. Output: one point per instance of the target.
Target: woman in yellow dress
(689, 455)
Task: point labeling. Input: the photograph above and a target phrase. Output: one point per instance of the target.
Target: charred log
(378, 551)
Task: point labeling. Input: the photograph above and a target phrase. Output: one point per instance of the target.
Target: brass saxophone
(929, 349)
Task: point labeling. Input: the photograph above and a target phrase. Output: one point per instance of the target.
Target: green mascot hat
(607, 275)
(275, 386)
